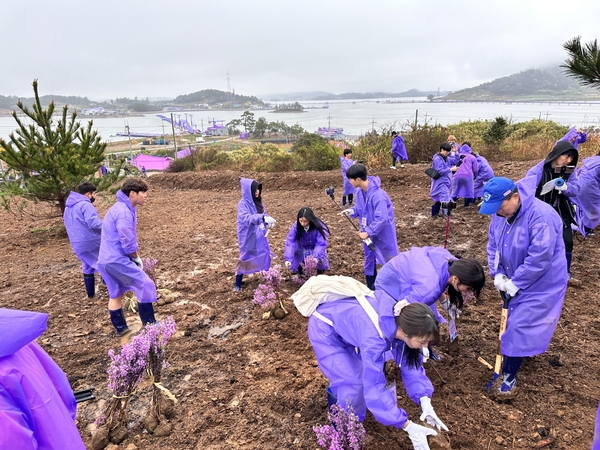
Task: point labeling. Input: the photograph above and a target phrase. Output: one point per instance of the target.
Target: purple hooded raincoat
(376, 215)
(463, 181)
(484, 174)
(346, 164)
(84, 227)
(311, 243)
(596, 443)
(580, 138)
(399, 149)
(530, 252)
(440, 188)
(119, 240)
(588, 198)
(37, 405)
(351, 354)
(255, 254)
(418, 275)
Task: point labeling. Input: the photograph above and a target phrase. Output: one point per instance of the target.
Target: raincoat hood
(30, 325)
(74, 198)
(561, 147)
(121, 197)
(572, 133)
(465, 149)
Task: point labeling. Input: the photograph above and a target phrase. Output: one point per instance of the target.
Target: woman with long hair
(307, 237)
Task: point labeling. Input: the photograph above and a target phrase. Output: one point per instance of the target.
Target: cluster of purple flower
(127, 368)
(150, 267)
(158, 336)
(267, 293)
(309, 269)
(346, 432)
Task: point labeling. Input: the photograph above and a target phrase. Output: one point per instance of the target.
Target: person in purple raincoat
(119, 262)
(463, 181)
(398, 150)
(559, 163)
(352, 352)
(575, 137)
(252, 227)
(349, 191)
(596, 443)
(84, 226)
(37, 405)
(307, 237)
(483, 175)
(526, 258)
(376, 215)
(429, 274)
(588, 198)
(440, 188)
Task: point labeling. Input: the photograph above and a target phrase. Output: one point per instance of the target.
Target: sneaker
(402, 166)
(393, 167)
(237, 288)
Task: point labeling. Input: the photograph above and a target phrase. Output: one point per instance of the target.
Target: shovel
(503, 319)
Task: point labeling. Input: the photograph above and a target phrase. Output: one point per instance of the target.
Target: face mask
(92, 199)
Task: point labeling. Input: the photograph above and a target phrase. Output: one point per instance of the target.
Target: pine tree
(53, 158)
(584, 62)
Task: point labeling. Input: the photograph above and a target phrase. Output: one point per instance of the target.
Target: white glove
(269, 221)
(510, 288)
(499, 281)
(561, 188)
(138, 262)
(288, 264)
(429, 414)
(348, 212)
(418, 435)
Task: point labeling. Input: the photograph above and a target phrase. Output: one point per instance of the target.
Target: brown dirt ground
(257, 386)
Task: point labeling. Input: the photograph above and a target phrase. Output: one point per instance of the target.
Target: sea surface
(355, 117)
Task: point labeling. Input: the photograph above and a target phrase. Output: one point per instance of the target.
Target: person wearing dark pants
(119, 262)
(526, 258)
(398, 150)
(375, 212)
(440, 187)
(348, 192)
(84, 226)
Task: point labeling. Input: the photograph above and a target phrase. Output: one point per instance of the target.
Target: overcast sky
(105, 49)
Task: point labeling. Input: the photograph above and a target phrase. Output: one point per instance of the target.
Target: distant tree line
(261, 127)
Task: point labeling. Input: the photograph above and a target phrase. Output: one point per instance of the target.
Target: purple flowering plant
(345, 432)
(150, 267)
(268, 293)
(309, 269)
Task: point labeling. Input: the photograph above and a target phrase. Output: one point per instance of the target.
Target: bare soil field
(248, 383)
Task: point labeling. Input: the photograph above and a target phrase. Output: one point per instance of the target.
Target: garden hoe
(503, 320)
(330, 191)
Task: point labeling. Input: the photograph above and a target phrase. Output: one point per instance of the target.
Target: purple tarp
(151, 162)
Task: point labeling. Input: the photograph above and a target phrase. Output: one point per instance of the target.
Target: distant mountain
(533, 84)
(324, 96)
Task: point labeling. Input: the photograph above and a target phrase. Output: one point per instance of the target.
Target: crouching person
(354, 337)
(37, 405)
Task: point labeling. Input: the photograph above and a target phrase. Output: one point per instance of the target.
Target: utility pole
(129, 138)
(373, 124)
(174, 141)
(416, 117)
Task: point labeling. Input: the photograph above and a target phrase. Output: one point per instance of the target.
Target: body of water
(358, 116)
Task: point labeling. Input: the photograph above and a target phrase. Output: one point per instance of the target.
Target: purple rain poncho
(351, 354)
(37, 405)
(255, 254)
(530, 252)
(84, 227)
(463, 180)
(580, 138)
(440, 188)
(346, 164)
(119, 240)
(484, 174)
(375, 212)
(398, 148)
(311, 243)
(418, 275)
(588, 198)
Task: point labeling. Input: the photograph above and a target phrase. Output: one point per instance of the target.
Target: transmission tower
(229, 96)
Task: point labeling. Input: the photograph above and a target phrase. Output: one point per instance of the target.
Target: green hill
(532, 84)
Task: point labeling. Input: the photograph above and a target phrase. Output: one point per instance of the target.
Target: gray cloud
(150, 48)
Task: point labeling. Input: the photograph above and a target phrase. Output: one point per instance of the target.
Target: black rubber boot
(90, 284)
(118, 320)
(146, 311)
(238, 281)
(435, 209)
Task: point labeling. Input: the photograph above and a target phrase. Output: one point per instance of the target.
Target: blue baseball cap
(494, 193)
